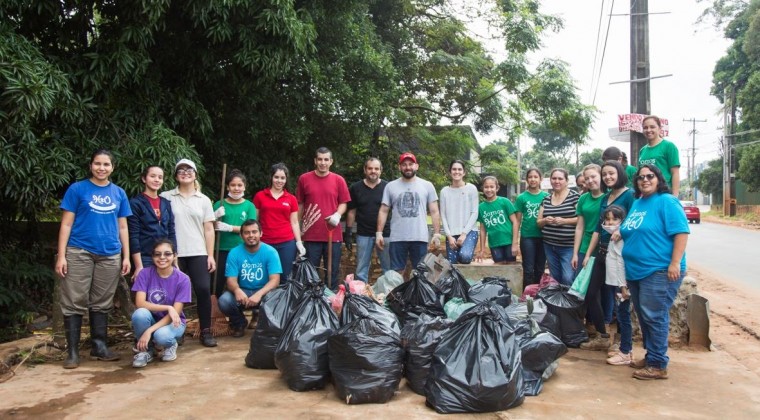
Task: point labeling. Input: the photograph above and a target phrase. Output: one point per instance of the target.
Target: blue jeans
(400, 251)
(234, 311)
(364, 247)
(502, 254)
(164, 337)
(464, 254)
(652, 297)
(624, 326)
(608, 302)
(287, 252)
(316, 252)
(559, 258)
(533, 260)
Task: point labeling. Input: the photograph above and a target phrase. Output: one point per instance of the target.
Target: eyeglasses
(165, 254)
(188, 171)
(648, 177)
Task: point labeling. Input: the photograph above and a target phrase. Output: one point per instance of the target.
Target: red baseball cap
(407, 155)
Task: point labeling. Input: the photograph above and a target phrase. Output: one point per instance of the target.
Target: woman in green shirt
(230, 214)
(531, 239)
(588, 214)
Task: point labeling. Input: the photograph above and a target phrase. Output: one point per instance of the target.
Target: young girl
(498, 223)
(230, 214)
(93, 248)
(612, 217)
(161, 292)
(151, 219)
(459, 214)
(531, 241)
(194, 221)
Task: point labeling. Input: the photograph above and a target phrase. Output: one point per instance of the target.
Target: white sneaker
(142, 359)
(170, 353)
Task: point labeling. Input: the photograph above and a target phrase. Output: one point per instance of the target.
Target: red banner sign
(633, 122)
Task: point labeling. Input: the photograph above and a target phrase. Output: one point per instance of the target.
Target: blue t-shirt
(252, 270)
(163, 291)
(649, 232)
(96, 216)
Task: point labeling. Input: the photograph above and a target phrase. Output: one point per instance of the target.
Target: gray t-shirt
(408, 202)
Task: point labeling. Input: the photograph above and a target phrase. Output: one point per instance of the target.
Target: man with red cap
(410, 199)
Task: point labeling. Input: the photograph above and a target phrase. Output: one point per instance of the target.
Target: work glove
(219, 213)
(348, 240)
(333, 220)
(301, 248)
(223, 227)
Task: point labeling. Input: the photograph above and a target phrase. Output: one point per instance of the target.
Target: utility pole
(640, 95)
(729, 118)
(692, 164)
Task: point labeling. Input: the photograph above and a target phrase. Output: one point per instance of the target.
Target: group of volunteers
(167, 240)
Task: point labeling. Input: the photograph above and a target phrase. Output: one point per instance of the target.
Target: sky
(678, 46)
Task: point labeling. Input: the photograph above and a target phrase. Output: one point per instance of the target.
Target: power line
(604, 51)
(596, 47)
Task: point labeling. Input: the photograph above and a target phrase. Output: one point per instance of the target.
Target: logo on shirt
(647, 162)
(494, 218)
(102, 203)
(251, 272)
(634, 220)
(532, 210)
(157, 296)
(244, 215)
(409, 204)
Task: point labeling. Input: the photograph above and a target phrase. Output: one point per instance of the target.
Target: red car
(691, 210)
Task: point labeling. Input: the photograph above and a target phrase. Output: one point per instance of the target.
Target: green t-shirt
(495, 216)
(588, 208)
(630, 171)
(235, 215)
(664, 156)
(528, 204)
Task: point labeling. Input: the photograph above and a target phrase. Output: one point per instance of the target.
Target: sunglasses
(165, 254)
(188, 171)
(648, 177)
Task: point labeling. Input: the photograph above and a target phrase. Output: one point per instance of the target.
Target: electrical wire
(596, 47)
(604, 51)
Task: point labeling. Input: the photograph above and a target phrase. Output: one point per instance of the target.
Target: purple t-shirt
(163, 291)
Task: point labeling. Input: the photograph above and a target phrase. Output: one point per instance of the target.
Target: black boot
(72, 326)
(99, 336)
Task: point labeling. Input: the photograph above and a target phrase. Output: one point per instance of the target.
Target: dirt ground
(214, 383)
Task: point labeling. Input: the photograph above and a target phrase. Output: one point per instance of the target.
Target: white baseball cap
(187, 162)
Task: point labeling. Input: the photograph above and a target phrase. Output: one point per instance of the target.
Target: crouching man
(253, 269)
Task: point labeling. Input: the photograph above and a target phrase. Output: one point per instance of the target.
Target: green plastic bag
(455, 307)
(581, 282)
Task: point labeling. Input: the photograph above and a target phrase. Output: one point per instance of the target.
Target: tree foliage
(498, 159)
(710, 180)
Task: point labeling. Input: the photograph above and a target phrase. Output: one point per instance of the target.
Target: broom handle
(217, 238)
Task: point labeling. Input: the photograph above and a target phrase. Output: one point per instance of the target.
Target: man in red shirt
(322, 200)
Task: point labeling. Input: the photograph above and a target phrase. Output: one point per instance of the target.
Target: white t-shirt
(459, 209)
(189, 215)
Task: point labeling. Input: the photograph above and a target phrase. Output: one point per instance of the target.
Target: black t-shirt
(367, 202)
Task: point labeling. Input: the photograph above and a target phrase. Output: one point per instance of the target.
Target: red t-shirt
(156, 204)
(274, 216)
(319, 197)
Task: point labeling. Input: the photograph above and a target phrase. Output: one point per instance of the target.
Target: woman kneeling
(162, 290)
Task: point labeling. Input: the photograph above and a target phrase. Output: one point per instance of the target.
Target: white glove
(301, 248)
(223, 227)
(219, 213)
(334, 220)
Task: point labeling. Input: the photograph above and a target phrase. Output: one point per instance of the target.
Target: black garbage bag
(491, 288)
(366, 359)
(419, 339)
(301, 354)
(539, 349)
(415, 297)
(304, 272)
(477, 364)
(453, 285)
(537, 310)
(569, 310)
(274, 313)
(358, 306)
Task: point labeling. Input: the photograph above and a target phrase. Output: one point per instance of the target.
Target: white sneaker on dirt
(620, 359)
(142, 359)
(170, 353)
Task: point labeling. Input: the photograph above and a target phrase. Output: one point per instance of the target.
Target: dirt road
(214, 383)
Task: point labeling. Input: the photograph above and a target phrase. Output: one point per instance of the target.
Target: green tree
(710, 180)
(498, 159)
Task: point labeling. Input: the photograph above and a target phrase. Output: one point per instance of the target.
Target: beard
(409, 174)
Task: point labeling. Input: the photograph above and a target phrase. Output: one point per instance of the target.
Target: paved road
(731, 253)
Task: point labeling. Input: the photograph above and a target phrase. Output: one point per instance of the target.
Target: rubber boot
(99, 336)
(72, 326)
